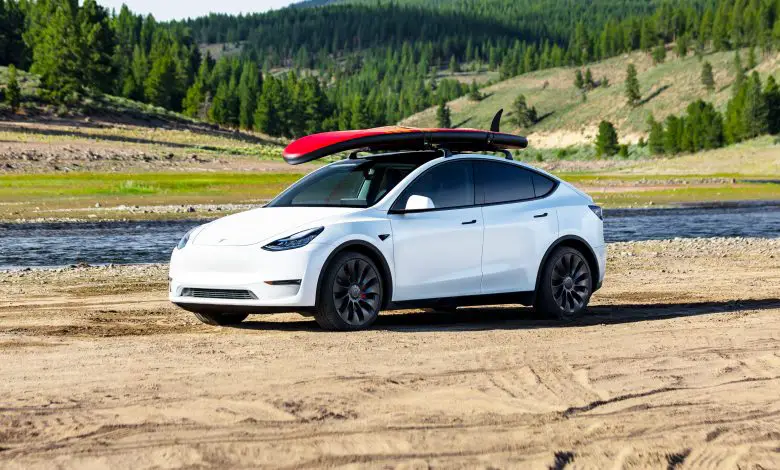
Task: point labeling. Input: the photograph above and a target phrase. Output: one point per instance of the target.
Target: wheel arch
(578, 243)
(373, 253)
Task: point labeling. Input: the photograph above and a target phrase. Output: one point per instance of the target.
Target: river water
(63, 244)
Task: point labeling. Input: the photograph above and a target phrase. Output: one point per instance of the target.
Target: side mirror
(418, 203)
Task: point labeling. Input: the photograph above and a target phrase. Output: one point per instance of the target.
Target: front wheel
(565, 286)
(221, 319)
(351, 293)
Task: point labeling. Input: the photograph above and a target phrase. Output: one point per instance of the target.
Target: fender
(375, 253)
(590, 257)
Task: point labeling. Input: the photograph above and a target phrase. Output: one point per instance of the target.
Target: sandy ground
(677, 366)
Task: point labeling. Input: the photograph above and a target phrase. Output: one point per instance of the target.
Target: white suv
(398, 230)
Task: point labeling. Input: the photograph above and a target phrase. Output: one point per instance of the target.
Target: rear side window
(503, 183)
(448, 185)
(542, 185)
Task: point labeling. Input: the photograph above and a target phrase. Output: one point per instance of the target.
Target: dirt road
(678, 366)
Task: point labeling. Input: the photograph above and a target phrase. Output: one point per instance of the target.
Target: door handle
(469, 222)
(539, 216)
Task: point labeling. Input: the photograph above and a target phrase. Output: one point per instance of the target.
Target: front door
(438, 251)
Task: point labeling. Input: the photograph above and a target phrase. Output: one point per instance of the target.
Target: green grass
(23, 188)
(740, 192)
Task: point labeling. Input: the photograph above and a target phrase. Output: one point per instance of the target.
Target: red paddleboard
(321, 145)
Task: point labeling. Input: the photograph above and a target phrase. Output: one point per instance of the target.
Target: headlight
(294, 241)
(184, 240)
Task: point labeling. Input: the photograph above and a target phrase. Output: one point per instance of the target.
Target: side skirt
(523, 298)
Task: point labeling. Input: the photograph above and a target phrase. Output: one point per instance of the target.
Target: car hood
(264, 224)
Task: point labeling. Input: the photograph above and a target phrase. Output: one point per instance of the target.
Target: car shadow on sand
(510, 317)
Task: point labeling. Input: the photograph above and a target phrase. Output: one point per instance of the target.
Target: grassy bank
(69, 195)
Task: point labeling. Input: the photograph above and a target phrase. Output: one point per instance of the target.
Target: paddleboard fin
(494, 126)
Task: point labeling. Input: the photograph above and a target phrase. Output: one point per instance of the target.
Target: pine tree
(734, 124)
(474, 93)
(656, 138)
(739, 72)
(522, 115)
(720, 29)
(673, 135)
(96, 46)
(682, 45)
(707, 79)
(646, 36)
(160, 85)
(315, 105)
(454, 65)
(632, 86)
(705, 27)
(755, 114)
(13, 49)
(13, 93)
(268, 118)
(133, 86)
(443, 118)
(588, 79)
(607, 139)
(703, 127)
(195, 97)
(53, 37)
(359, 116)
(247, 94)
(579, 81)
(659, 53)
(772, 96)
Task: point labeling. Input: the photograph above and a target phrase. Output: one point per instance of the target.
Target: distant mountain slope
(666, 89)
(339, 26)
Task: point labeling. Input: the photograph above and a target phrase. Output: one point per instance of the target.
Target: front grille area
(231, 294)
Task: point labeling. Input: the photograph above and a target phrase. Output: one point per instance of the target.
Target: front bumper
(269, 276)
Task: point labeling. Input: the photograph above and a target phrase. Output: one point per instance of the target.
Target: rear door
(519, 224)
(438, 252)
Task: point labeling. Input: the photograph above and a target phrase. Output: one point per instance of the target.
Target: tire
(351, 293)
(221, 319)
(565, 286)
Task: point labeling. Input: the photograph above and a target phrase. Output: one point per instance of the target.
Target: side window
(448, 185)
(501, 182)
(542, 185)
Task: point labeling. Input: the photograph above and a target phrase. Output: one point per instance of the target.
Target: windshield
(358, 183)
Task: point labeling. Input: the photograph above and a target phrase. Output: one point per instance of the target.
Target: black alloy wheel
(565, 285)
(356, 292)
(351, 293)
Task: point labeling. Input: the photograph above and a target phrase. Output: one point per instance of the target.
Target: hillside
(666, 88)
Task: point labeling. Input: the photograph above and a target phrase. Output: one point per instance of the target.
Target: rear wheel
(221, 319)
(565, 286)
(351, 293)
